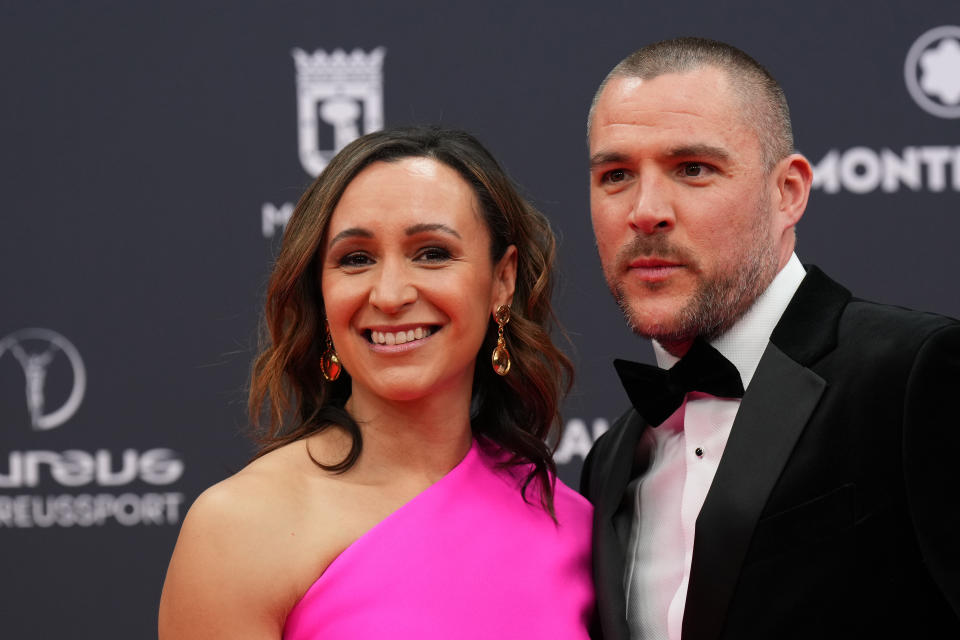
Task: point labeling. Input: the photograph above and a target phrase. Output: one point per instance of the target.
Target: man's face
(680, 203)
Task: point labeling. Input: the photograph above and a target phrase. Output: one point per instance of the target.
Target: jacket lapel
(762, 439)
(775, 409)
(608, 550)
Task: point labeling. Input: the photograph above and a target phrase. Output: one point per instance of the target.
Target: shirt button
(699, 452)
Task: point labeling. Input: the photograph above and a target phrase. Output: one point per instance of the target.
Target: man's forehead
(694, 85)
(699, 106)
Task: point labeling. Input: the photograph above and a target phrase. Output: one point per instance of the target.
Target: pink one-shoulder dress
(467, 558)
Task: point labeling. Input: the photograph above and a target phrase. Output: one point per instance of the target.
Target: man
(820, 504)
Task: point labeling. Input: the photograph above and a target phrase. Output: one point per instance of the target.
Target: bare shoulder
(248, 549)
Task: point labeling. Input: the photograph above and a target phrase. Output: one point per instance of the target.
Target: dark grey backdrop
(140, 142)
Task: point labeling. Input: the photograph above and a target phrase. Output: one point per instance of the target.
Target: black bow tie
(656, 393)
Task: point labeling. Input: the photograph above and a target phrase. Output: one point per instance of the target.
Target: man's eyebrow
(353, 232)
(606, 157)
(699, 150)
(424, 227)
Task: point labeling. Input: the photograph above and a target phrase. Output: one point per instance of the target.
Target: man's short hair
(762, 98)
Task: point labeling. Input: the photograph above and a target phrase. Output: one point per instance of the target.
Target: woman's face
(408, 282)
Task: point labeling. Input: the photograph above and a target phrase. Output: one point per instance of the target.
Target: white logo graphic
(932, 168)
(577, 439)
(341, 89)
(932, 71)
(35, 349)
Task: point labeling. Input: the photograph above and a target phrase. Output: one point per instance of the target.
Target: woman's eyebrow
(353, 232)
(431, 226)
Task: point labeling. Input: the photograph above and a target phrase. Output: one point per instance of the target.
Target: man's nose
(652, 210)
(393, 288)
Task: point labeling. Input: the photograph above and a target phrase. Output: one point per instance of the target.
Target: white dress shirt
(684, 453)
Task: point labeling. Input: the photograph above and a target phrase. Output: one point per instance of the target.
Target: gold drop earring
(501, 357)
(330, 362)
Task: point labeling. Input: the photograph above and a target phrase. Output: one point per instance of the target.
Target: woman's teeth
(399, 337)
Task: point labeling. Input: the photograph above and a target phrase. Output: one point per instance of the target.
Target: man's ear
(794, 180)
(505, 278)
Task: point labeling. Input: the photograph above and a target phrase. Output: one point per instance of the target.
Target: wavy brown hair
(290, 399)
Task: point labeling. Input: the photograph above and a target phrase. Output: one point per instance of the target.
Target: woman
(403, 487)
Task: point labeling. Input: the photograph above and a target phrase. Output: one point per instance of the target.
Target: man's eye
(614, 176)
(693, 170)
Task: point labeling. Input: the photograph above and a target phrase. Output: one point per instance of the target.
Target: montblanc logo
(932, 71)
(339, 99)
(861, 170)
(36, 350)
(932, 74)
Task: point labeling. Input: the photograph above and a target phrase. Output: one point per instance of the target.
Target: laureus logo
(36, 350)
(343, 90)
(932, 71)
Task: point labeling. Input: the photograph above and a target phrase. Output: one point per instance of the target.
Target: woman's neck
(428, 436)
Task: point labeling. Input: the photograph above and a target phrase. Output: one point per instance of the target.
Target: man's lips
(640, 263)
(652, 269)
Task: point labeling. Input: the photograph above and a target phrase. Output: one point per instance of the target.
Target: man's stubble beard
(718, 302)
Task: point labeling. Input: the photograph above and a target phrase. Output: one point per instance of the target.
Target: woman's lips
(401, 336)
(397, 340)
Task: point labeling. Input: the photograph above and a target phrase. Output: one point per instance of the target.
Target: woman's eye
(433, 254)
(355, 259)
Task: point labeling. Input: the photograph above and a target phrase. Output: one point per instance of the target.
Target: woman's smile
(383, 339)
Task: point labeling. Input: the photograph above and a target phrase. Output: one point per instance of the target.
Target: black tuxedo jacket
(835, 511)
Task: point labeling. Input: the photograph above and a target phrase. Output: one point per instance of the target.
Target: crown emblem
(340, 66)
(337, 92)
